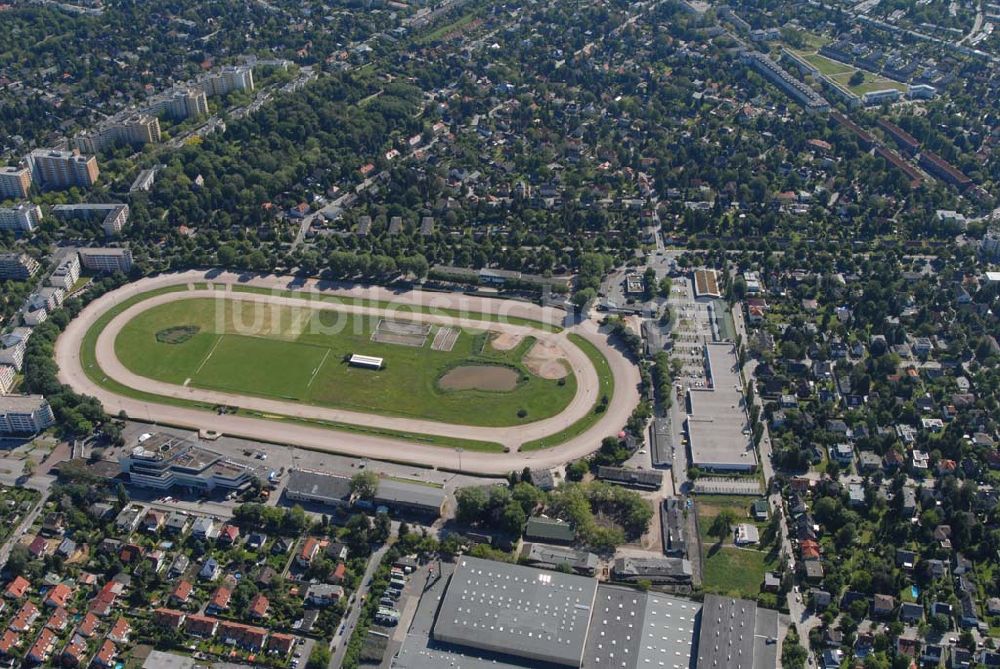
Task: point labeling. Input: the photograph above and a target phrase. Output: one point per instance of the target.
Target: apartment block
(134, 130)
(179, 104)
(113, 216)
(13, 346)
(21, 219)
(17, 266)
(106, 260)
(944, 170)
(7, 374)
(66, 273)
(24, 414)
(230, 78)
(15, 182)
(63, 169)
(796, 89)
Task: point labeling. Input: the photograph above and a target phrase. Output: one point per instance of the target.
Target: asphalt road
(339, 642)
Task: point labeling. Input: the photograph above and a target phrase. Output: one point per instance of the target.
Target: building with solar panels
(493, 615)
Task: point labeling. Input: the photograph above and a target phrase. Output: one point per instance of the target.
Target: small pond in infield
(480, 377)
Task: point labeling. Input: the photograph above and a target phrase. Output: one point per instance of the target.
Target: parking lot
(691, 329)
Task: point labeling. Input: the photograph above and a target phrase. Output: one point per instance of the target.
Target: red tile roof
(243, 635)
(106, 655)
(168, 618)
(43, 646)
(25, 617)
(282, 643)
(201, 625)
(89, 625)
(221, 597)
(38, 546)
(259, 606)
(120, 631)
(74, 651)
(59, 595)
(183, 591)
(58, 620)
(17, 588)
(9, 641)
(230, 533)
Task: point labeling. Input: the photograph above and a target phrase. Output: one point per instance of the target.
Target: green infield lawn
(298, 354)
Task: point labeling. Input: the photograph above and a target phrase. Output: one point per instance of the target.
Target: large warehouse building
(494, 615)
(717, 426)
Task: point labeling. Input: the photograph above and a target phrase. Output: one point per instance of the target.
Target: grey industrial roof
(616, 627)
(391, 491)
(551, 529)
(717, 420)
(160, 660)
(20, 403)
(529, 613)
(542, 554)
(727, 633)
(662, 442)
(647, 478)
(634, 629)
(765, 629)
(318, 487)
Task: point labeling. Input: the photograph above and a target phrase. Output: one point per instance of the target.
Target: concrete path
(625, 373)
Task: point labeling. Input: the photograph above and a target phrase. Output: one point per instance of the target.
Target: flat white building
(113, 216)
(62, 169)
(13, 346)
(134, 130)
(17, 266)
(7, 374)
(24, 414)
(15, 182)
(107, 260)
(230, 78)
(23, 218)
(66, 273)
(179, 103)
(163, 461)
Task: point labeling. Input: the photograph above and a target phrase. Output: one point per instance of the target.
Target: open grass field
(607, 386)
(297, 354)
(727, 569)
(826, 65)
(88, 359)
(872, 82)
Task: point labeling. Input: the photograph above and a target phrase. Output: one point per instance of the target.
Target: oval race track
(625, 397)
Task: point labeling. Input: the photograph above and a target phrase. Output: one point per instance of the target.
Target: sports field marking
(318, 367)
(444, 339)
(187, 381)
(214, 346)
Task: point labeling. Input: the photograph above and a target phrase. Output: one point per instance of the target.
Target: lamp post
(459, 451)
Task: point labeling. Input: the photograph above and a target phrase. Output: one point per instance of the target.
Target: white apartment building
(66, 273)
(24, 414)
(15, 182)
(113, 216)
(7, 374)
(62, 169)
(17, 266)
(107, 260)
(13, 346)
(20, 219)
(134, 130)
(229, 78)
(179, 104)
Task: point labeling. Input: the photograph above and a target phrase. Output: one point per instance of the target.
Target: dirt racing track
(623, 400)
